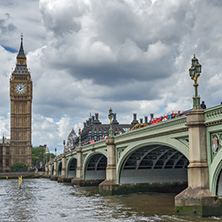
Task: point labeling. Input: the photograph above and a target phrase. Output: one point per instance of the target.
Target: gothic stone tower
(21, 111)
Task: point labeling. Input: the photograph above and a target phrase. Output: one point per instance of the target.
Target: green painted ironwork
(194, 72)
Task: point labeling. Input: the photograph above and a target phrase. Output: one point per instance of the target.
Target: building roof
(94, 130)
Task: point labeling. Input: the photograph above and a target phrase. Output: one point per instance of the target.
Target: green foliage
(39, 157)
(19, 167)
(49, 155)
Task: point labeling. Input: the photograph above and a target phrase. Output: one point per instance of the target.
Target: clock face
(20, 88)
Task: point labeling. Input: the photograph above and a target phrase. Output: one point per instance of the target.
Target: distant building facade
(94, 130)
(4, 154)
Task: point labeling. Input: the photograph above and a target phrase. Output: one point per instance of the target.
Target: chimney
(134, 122)
(96, 120)
(84, 125)
(151, 116)
(114, 119)
(141, 120)
(93, 118)
(87, 122)
(146, 119)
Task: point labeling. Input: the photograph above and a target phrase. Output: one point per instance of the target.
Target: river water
(46, 200)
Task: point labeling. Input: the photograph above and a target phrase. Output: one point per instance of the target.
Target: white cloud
(4, 126)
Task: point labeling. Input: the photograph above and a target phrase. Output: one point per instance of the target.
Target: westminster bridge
(186, 149)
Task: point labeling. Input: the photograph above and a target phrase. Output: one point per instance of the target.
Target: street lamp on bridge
(80, 140)
(111, 116)
(195, 71)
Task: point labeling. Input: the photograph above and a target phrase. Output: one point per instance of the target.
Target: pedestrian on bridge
(203, 106)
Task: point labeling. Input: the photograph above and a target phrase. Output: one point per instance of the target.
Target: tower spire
(21, 58)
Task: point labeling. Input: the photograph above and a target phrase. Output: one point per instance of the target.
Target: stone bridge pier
(78, 180)
(197, 200)
(62, 178)
(54, 176)
(109, 185)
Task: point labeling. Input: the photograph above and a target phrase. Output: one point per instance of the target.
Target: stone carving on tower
(21, 111)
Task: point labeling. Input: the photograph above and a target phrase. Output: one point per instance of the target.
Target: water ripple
(45, 200)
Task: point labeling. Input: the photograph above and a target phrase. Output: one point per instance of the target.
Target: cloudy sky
(86, 56)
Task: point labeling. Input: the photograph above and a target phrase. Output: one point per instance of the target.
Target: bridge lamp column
(109, 184)
(79, 176)
(55, 167)
(64, 145)
(194, 72)
(196, 199)
(50, 169)
(111, 117)
(63, 173)
(79, 157)
(46, 169)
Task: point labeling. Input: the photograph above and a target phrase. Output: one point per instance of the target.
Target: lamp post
(80, 139)
(55, 151)
(64, 145)
(195, 71)
(111, 116)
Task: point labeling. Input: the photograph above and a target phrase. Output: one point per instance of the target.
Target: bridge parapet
(213, 115)
(155, 130)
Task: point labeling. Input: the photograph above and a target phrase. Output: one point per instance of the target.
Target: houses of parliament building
(18, 149)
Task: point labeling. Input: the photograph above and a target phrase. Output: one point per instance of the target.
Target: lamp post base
(196, 102)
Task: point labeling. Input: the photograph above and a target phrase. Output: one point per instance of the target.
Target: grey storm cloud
(114, 42)
(6, 24)
(132, 55)
(121, 44)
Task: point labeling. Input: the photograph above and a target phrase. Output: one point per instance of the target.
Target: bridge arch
(94, 166)
(71, 167)
(59, 169)
(216, 171)
(146, 162)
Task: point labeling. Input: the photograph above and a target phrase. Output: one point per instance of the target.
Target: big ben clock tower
(21, 111)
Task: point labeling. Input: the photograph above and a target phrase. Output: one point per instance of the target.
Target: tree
(48, 156)
(39, 157)
(19, 167)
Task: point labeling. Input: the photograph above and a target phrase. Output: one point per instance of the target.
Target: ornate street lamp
(80, 142)
(195, 71)
(111, 116)
(64, 145)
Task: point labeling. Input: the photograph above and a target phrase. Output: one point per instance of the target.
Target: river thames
(46, 200)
